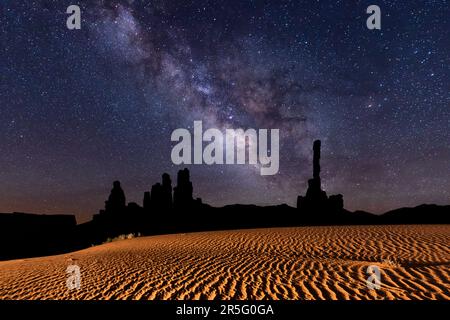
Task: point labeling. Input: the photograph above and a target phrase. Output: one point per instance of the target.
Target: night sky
(82, 108)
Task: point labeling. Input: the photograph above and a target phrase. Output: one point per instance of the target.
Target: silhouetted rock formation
(156, 196)
(316, 200)
(29, 235)
(133, 207)
(166, 190)
(146, 203)
(161, 195)
(158, 215)
(336, 202)
(116, 201)
(117, 216)
(182, 196)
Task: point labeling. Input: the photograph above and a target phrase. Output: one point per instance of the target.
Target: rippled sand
(281, 263)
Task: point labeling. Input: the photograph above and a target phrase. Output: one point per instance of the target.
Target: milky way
(81, 108)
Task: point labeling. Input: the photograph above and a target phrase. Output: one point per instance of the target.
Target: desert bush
(123, 237)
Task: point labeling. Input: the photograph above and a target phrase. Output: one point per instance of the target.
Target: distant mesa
(30, 235)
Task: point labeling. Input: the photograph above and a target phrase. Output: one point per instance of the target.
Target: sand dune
(281, 263)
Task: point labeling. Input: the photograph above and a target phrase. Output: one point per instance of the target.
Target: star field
(81, 108)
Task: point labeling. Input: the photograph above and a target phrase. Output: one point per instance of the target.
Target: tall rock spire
(316, 159)
(314, 184)
(166, 189)
(316, 199)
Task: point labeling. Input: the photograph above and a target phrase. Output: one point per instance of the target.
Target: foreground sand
(282, 263)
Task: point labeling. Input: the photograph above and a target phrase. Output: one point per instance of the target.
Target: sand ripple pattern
(300, 263)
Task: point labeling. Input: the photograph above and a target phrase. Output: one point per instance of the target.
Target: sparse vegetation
(123, 237)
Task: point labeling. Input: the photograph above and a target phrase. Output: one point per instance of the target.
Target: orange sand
(281, 263)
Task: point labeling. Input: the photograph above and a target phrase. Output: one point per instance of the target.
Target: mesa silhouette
(166, 209)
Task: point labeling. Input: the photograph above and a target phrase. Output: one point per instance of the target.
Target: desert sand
(281, 263)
